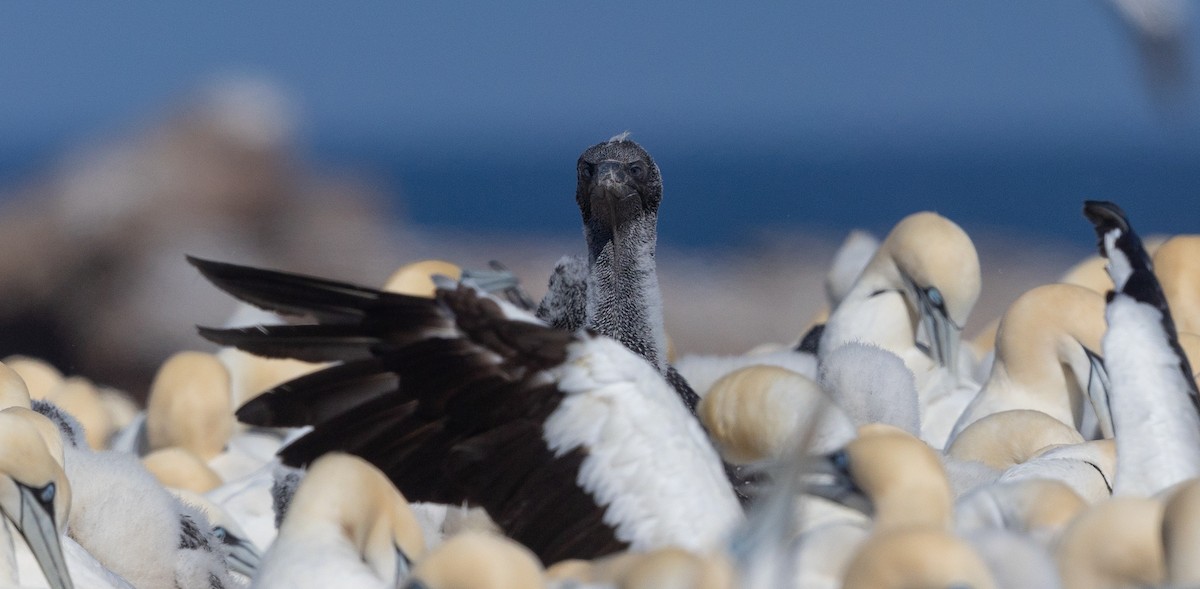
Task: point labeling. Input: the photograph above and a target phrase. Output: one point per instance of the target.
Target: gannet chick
(178, 468)
(190, 405)
(476, 560)
(753, 414)
(39, 376)
(1005, 439)
(884, 393)
(241, 553)
(1153, 397)
(13, 392)
(135, 528)
(78, 396)
(347, 527)
(924, 276)
(917, 558)
(34, 496)
(495, 409)
(1047, 357)
(1177, 267)
(1115, 544)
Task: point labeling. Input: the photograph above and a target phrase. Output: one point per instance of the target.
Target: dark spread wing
(446, 396)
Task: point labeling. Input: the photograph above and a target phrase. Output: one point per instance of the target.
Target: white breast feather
(1157, 427)
(648, 461)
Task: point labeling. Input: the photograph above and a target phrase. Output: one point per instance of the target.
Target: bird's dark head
(618, 183)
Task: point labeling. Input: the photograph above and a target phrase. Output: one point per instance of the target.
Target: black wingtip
(1106, 216)
(256, 411)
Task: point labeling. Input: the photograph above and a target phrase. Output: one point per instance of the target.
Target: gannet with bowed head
(179, 468)
(40, 377)
(1113, 545)
(190, 405)
(1153, 398)
(925, 275)
(890, 474)
(13, 392)
(753, 414)
(475, 560)
(1047, 357)
(347, 526)
(1005, 439)
(917, 558)
(1177, 266)
(79, 397)
(35, 497)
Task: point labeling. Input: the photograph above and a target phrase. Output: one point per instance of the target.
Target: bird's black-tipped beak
(827, 477)
(36, 524)
(614, 197)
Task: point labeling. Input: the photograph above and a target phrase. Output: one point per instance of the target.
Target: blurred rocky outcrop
(93, 277)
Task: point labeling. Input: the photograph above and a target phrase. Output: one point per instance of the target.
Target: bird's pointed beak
(943, 335)
(243, 556)
(35, 522)
(824, 477)
(403, 567)
(614, 200)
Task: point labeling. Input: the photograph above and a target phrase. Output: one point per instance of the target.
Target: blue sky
(801, 82)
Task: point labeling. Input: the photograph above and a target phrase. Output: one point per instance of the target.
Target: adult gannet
(924, 276)
(456, 401)
(1047, 358)
(1153, 398)
(475, 560)
(35, 497)
(347, 527)
(1113, 545)
(1177, 267)
(900, 481)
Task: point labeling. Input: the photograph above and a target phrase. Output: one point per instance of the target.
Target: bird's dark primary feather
(459, 419)
(1142, 285)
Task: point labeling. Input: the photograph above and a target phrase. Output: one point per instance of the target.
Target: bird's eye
(840, 461)
(46, 494)
(637, 170)
(935, 297)
(586, 171)
(220, 533)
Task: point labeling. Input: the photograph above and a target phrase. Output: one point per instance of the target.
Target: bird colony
(446, 431)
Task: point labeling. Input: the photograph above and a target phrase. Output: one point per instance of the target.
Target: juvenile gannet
(871, 385)
(1153, 398)
(614, 291)
(242, 554)
(492, 410)
(347, 527)
(1047, 358)
(925, 276)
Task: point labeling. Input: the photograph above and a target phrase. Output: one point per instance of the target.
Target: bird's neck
(623, 298)
(8, 555)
